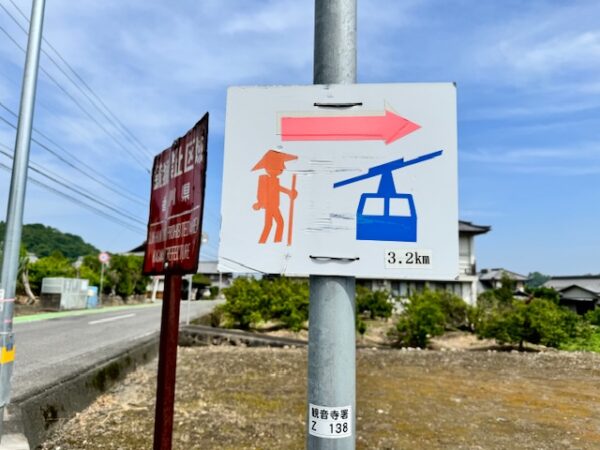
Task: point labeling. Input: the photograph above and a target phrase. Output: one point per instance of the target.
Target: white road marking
(110, 319)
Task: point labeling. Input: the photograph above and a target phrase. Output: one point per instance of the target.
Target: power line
(78, 202)
(77, 103)
(211, 256)
(76, 85)
(90, 175)
(87, 166)
(80, 191)
(136, 197)
(132, 137)
(127, 133)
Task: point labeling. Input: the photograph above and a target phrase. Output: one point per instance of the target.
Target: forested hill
(42, 241)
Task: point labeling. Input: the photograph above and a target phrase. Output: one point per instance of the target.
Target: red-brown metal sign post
(172, 249)
(167, 364)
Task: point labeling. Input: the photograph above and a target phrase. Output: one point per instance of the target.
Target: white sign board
(350, 180)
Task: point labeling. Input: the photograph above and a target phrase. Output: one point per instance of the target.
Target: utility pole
(14, 214)
(332, 340)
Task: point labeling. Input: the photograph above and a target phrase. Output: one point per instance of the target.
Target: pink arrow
(388, 128)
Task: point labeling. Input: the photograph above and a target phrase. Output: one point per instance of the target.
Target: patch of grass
(589, 343)
(257, 402)
(249, 398)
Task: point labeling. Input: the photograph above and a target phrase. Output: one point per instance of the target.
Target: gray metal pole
(16, 201)
(101, 283)
(332, 339)
(335, 42)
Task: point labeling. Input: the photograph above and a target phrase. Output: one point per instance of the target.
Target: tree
(593, 316)
(538, 320)
(23, 276)
(250, 301)
(245, 302)
(124, 275)
(42, 241)
(546, 293)
(536, 279)
(429, 314)
(374, 303)
(55, 265)
(90, 270)
(421, 319)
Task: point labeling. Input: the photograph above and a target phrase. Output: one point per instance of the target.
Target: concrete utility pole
(14, 215)
(332, 340)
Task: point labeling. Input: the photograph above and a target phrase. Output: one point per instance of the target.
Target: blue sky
(528, 105)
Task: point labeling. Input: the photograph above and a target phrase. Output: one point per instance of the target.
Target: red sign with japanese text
(176, 205)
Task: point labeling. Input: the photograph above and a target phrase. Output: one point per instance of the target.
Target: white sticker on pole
(330, 422)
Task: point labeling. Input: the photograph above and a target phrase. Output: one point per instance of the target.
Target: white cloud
(279, 16)
(570, 160)
(530, 109)
(543, 48)
(560, 53)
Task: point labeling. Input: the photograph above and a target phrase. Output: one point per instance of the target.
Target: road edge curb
(35, 414)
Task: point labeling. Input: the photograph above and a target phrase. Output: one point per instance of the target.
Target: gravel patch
(255, 398)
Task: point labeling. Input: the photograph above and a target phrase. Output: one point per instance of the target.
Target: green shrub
(374, 303)
(246, 300)
(588, 339)
(546, 293)
(360, 325)
(250, 301)
(456, 311)
(289, 302)
(549, 324)
(593, 316)
(124, 275)
(201, 280)
(538, 321)
(421, 319)
(55, 265)
(429, 314)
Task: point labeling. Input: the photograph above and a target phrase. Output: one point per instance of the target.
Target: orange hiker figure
(268, 195)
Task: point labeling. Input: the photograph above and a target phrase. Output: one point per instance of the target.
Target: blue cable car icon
(396, 215)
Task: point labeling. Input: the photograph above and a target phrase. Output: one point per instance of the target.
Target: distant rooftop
(139, 249)
(497, 274)
(471, 228)
(588, 282)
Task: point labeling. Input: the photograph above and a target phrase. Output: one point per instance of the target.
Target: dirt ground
(255, 398)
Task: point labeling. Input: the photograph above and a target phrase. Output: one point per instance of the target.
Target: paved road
(50, 350)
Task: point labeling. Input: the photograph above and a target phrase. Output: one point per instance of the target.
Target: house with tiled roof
(492, 279)
(579, 293)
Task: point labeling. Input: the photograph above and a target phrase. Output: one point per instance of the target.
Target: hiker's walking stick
(291, 216)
